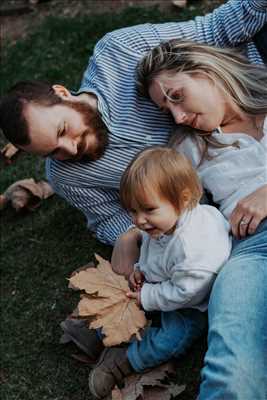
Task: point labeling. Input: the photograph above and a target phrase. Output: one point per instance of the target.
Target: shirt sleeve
(231, 24)
(104, 214)
(184, 290)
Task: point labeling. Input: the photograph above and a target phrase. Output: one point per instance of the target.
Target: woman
(224, 99)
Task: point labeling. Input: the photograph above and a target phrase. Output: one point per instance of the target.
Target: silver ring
(243, 223)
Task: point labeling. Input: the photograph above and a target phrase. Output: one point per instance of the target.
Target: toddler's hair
(163, 170)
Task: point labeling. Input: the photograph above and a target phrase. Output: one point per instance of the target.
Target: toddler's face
(158, 216)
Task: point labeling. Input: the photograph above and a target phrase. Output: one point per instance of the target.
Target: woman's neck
(250, 125)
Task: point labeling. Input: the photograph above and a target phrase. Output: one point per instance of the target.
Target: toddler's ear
(186, 197)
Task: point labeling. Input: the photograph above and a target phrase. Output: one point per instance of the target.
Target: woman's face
(192, 100)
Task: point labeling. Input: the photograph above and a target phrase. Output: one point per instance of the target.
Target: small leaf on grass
(106, 300)
(149, 386)
(8, 152)
(26, 193)
(179, 3)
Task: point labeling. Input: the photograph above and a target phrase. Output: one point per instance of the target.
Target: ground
(27, 14)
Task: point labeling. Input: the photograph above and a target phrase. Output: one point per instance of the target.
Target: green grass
(39, 250)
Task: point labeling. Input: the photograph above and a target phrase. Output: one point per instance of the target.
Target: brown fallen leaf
(26, 193)
(149, 386)
(8, 152)
(106, 300)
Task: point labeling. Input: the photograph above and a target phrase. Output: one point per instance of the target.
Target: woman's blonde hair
(163, 170)
(243, 83)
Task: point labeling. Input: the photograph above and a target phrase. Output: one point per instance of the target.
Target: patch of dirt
(20, 17)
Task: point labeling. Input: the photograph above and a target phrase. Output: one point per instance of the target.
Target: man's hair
(163, 170)
(12, 106)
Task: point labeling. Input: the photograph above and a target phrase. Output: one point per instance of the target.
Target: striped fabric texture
(134, 122)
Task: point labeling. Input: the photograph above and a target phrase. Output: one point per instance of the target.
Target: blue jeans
(177, 331)
(235, 365)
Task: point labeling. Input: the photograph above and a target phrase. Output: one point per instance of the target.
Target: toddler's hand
(136, 280)
(136, 296)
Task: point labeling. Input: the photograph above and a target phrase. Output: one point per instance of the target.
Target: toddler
(184, 245)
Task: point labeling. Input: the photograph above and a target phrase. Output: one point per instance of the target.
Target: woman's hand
(136, 296)
(136, 280)
(126, 252)
(249, 212)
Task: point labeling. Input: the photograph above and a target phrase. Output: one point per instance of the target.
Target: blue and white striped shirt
(134, 122)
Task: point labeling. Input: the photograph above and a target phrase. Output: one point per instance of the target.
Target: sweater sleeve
(184, 290)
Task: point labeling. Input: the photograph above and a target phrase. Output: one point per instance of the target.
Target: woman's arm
(249, 212)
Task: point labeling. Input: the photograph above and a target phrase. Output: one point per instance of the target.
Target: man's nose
(70, 146)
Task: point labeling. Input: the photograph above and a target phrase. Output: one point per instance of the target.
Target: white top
(233, 173)
(180, 268)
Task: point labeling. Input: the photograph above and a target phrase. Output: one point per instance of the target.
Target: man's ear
(187, 197)
(62, 92)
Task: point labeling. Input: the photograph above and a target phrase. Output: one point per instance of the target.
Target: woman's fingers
(243, 226)
(249, 212)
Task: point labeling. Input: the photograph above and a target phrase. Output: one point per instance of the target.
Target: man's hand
(249, 212)
(136, 280)
(126, 252)
(136, 296)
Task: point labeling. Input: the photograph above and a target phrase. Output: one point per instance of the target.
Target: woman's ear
(61, 91)
(186, 197)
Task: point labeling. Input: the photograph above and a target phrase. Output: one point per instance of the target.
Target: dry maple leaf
(106, 300)
(26, 193)
(149, 386)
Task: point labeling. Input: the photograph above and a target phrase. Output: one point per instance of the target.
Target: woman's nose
(178, 114)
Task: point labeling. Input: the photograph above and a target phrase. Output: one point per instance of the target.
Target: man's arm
(231, 24)
(104, 214)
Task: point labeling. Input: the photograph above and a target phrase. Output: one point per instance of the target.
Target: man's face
(64, 131)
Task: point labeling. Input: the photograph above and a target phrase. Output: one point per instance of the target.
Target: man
(90, 137)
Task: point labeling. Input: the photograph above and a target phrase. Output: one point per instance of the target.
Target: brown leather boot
(111, 369)
(86, 339)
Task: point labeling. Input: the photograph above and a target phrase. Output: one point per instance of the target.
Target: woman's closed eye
(176, 97)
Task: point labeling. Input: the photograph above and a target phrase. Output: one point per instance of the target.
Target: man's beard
(95, 128)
